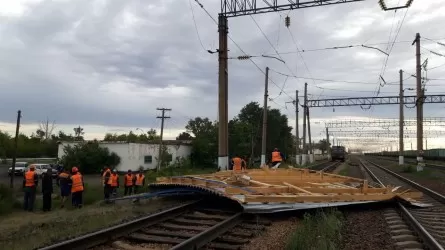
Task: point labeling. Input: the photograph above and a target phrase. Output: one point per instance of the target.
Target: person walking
(139, 184)
(64, 182)
(30, 182)
(77, 187)
(47, 189)
(128, 182)
(107, 185)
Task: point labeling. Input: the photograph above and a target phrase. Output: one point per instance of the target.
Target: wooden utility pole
(297, 133)
(14, 152)
(401, 120)
(162, 117)
(419, 105)
(264, 137)
(223, 136)
(304, 155)
(311, 152)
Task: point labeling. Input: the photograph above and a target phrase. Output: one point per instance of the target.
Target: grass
(319, 231)
(45, 228)
(344, 169)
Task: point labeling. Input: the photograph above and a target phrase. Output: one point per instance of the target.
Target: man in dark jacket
(63, 181)
(47, 189)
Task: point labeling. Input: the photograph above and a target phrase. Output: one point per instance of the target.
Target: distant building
(134, 155)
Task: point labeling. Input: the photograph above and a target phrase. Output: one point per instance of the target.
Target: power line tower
(162, 117)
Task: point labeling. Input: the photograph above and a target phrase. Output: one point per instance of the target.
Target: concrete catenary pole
(311, 150)
(401, 147)
(419, 105)
(162, 117)
(14, 152)
(264, 137)
(223, 137)
(297, 133)
(304, 155)
(327, 142)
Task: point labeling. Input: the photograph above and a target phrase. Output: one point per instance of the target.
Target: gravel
(366, 230)
(275, 236)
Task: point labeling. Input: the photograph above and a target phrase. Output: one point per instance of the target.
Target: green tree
(184, 136)
(323, 145)
(204, 144)
(89, 157)
(78, 133)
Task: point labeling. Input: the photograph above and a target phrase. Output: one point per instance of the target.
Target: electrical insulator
(287, 21)
(243, 57)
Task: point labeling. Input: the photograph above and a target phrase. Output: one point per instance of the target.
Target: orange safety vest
(237, 163)
(29, 179)
(129, 180)
(77, 184)
(139, 179)
(276, 156)
(113, 180)
(103, 175)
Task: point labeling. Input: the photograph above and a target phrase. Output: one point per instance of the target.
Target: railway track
(189, 226)
(326, 166)
(411, 228)
(427, 165)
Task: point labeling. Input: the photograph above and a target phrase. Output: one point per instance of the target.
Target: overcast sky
(106, 65)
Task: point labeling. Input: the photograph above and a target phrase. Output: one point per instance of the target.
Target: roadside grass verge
(42, 229)
(319, 231)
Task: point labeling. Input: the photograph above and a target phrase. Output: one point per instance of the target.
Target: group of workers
(133, 183)
(239, 164)
(70, 184)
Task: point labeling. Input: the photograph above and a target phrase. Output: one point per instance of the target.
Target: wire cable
(196, 26)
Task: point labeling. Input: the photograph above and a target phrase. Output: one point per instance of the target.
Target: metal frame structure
(382, 133)
(366, 101)
(430, 121)
(234, 8)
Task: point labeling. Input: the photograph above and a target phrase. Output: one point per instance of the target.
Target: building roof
(165, 142)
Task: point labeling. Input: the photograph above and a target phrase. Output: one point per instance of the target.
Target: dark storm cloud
(115, 62)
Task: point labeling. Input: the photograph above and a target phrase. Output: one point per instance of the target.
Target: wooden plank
(297, 188)
(313, 198)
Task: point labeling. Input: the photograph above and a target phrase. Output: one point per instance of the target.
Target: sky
(107, 65)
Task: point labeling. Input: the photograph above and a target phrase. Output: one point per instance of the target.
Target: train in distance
(338, 153)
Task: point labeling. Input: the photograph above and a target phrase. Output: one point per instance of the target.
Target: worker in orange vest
(277, 158)
(30, 182)
(237, 163)
(129, 182)
(139, 182)
(104, 172)
(113, 181)
(77, 187)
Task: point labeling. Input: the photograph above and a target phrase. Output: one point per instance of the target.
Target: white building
(134, 155)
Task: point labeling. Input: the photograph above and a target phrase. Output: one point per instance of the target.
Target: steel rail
(424, 234)
(427, 165)
(200, 240)
(105, 235)
(430, 192)
(333, 165)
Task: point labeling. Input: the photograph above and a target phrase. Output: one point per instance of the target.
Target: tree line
(245, 136)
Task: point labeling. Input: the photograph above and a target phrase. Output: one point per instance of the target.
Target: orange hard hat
(74, 169)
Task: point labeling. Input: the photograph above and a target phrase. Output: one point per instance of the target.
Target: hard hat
(74, 169)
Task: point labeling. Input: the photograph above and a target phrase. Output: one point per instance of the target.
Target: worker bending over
(277, 158)
(30, 182)
(64, 182)
(77, 187)
(238, 163)
(128, 182)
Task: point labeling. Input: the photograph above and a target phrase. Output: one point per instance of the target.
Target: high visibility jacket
(237, 163)
(30, 179)
(276, 156)
(114, 180)
(140, 179)
(129, 180)
(77, 183)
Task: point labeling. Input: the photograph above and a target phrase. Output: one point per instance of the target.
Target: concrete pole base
(263, 160)
(223, 163)
(329, 157)
(311, 158)
(304, 159)
(401, 160)
(298, 159)
(420, 164)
